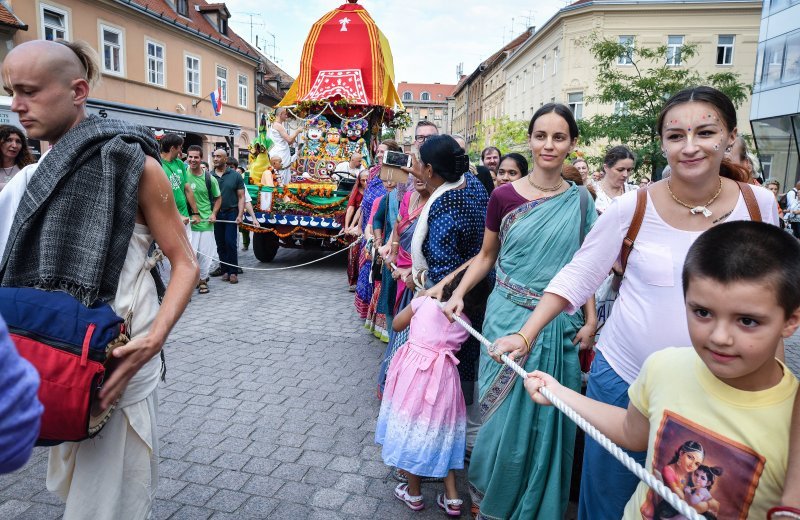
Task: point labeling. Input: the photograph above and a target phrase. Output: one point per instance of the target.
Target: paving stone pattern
(268, 410)
(269, 407)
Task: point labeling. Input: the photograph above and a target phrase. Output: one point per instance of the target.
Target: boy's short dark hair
(195, 148)
(169, 141)
(746, 251)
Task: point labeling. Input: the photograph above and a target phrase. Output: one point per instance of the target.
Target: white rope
(626, 460)
(276, 268)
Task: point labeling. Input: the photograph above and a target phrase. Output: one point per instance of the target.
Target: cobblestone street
(269, 407)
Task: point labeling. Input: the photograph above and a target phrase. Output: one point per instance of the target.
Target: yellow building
(555, 64)
(160, 60)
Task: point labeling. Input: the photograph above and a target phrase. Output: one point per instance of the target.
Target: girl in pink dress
(422, 421)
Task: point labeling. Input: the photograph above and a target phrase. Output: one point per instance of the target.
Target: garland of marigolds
(305, 189)
(300, 202)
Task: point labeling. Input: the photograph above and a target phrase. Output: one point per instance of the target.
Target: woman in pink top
(696, 126)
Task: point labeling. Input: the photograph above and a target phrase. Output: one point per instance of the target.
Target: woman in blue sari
(522, 460)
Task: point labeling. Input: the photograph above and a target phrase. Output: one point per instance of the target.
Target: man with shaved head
(81, 221)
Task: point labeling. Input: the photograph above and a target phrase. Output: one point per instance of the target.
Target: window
(725, 49)
(555, 60)
(621, 108)
(408, 96)
(54, 23)
(112, 49)
(773, 63)
(425, 96)
(674, 44)
(193, 75)
(524, 80)
(766, 164)
(182, 7)
(155, 63)
(222, 82)
(576, 104)
(243, 90)
(626, 57)
(533, 75)
(791, 67)
(437, 113)
(544, 66)
(222, 24)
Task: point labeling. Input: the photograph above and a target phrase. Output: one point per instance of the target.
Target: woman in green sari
(520, 466)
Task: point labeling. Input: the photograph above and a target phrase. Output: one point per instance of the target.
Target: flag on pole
(216, 101)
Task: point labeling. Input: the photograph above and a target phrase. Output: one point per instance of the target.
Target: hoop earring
(664, 153)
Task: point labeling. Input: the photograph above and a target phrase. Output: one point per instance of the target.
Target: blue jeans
(227, 238)
(606, 485)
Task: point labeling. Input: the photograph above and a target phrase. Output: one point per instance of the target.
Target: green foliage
(641, 89)
(508, 136)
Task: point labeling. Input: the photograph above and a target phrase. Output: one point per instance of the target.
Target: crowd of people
(518, 250)
(522, 259)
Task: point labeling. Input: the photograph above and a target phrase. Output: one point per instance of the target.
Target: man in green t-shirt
(171, 145)
(207, 205)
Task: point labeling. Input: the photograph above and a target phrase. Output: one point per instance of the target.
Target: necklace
(613, 194)
(694, 210)
(546, 189)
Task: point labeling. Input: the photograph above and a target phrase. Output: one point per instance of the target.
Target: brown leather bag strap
(633, 230)
(750, 201)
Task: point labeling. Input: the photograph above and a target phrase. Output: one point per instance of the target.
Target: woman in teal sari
(522, 460)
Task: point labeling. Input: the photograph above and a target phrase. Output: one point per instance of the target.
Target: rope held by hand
(618, 453)
(626, 460)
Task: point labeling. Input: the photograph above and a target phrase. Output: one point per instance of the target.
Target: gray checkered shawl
(75, 220)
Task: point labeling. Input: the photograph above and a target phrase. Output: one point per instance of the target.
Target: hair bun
(461, 163)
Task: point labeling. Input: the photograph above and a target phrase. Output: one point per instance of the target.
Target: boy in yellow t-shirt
(714, 419)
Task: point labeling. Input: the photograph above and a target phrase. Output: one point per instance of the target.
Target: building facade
(775, 112)
(160, 60)
(555, 64)
(494, 88)
(428, 101)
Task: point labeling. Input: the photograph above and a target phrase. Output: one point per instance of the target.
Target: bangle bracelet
(783, 512)
(527, 343)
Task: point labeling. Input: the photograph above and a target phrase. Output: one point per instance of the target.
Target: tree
(639, 92)
(507, 135)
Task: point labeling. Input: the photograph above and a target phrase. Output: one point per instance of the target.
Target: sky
(444, 35)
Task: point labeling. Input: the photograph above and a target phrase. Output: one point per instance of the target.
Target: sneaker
(413, 503)
(352, 288)
(239, 270)
(217, 272)
(245, 247)
(226, 277)
(233, 278)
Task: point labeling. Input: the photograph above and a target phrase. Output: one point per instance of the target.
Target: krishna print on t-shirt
(717, 476)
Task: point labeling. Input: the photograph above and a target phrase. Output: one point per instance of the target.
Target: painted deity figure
(333, 148)
(353, 140)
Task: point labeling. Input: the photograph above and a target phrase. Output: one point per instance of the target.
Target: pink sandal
(413, 503)
(451, 506)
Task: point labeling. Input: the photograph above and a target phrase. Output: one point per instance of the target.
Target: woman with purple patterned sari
(372, 192)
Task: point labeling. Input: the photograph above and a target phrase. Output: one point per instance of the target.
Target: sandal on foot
(202, 288)
(413, 503)
(451, 506)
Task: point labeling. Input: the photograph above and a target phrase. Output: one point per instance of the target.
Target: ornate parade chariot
(343, 97)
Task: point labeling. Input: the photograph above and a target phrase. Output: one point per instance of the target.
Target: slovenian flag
(216, 101)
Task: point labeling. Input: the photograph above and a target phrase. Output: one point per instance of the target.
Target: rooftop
(196, 21)
(437, 92)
